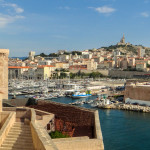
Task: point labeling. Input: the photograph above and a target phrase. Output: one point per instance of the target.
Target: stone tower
(4, 72)
(31, 55)
(122, 40)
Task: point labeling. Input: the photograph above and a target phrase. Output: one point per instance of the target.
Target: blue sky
(50, 25)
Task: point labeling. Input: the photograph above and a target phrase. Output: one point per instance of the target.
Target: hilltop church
(122, 41)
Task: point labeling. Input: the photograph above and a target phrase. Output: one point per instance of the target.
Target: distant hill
(127, 49)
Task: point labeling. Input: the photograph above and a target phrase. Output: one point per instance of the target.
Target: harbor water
(122, 130)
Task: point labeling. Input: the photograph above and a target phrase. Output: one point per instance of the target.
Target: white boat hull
(81, 96)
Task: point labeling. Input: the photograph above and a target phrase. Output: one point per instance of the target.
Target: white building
(31, 55)
(45, 62)
(63, 58)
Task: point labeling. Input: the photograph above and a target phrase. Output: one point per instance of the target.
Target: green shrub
(57, 134)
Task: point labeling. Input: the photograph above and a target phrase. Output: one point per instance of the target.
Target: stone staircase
(18, 138)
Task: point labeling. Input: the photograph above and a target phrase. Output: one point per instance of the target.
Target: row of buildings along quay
(122, 60)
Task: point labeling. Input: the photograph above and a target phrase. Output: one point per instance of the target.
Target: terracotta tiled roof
(18, 67)
(42, 66)
(140, 63)
(95, 57)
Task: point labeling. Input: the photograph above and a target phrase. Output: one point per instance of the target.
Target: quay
(129, 107)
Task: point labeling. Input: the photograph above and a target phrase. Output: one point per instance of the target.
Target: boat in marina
(79, 102)
(78, 94)
(15, 93)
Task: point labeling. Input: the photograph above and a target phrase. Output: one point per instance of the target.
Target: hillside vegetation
(131, 49)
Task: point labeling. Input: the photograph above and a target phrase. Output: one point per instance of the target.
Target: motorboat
(81, 95)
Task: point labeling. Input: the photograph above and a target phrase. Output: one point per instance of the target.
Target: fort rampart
(66, 116)
(4, 72)
(137, 92)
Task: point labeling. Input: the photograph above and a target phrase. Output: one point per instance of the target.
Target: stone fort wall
(86, 132)
(137, 93)
(4, 72)
(102, 71)
(74, 120)
(124, 74)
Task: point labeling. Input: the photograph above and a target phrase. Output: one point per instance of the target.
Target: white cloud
(14, 6)
(6, 19)
(145, 14)
(104, 9)
(11, 13)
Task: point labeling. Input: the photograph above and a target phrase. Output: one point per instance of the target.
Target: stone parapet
(41, 139)
(98, 132)
(79, 144)
(7, 126)
(3, 117)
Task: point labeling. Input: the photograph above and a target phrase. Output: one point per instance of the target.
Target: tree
(31, 101)
(53, 55)
(43, 55)
(79, 73)
(63, 70)
(82, 74)
(63, 75)
(95, 75)
(56, 70)
(72, 75)
(66, 53)
(76, 52)
(148, 65)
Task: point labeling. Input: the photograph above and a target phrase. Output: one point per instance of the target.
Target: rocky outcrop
(129, 107)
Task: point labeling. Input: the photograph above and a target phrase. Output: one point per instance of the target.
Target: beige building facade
(141, 66)
(17, 72)
(44, 71)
